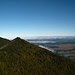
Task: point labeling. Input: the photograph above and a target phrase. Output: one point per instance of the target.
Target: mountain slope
(22, 58)
(3, 41)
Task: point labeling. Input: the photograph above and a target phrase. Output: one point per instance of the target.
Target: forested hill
(3, 41)
(19, 57)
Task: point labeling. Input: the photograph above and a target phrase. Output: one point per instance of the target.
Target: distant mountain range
(19, 57)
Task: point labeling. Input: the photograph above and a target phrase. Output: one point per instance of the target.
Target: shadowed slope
(3, 41)
(22, 58)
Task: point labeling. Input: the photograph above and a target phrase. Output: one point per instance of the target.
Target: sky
(25, 18)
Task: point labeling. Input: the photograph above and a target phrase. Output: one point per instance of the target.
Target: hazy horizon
(38, 37)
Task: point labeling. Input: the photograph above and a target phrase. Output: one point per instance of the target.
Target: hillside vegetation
(3, 41)
(19, 57)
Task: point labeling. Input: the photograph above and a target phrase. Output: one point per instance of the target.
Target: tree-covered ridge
(3, 41)
(22, 58)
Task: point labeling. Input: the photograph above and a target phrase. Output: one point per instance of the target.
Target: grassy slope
(3, 41)
(22, 58)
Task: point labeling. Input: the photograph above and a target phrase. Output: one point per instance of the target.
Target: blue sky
(37, 18)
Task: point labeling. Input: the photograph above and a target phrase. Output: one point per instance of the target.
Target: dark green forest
(19, 57)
